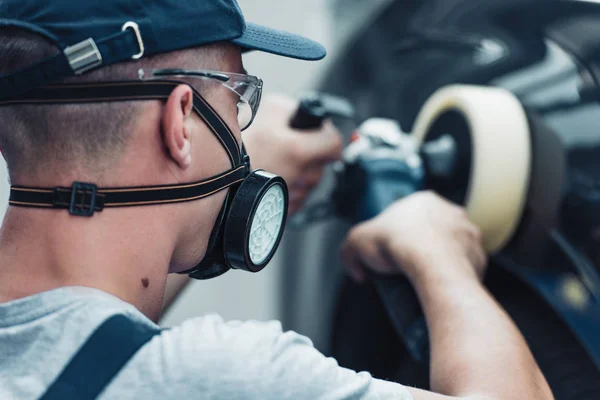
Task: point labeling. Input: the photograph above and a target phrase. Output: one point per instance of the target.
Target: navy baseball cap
(96, 33)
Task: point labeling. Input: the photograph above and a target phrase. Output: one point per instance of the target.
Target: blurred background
(388, 57)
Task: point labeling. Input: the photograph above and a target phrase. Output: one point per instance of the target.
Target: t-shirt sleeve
(255, 360)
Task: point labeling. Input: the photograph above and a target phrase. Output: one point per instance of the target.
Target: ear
(176, 134)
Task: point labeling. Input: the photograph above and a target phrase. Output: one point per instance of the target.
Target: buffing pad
(501, 155)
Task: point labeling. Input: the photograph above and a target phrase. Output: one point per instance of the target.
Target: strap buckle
(83, 199)
(83, 56)
(136, 29)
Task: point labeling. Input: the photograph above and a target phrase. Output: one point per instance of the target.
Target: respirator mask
(251, 222)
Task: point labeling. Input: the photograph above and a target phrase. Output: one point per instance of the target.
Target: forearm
(476, 349)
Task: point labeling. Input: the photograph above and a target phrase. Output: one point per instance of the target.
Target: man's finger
(298, 194)
(324, 145)
(310, 177)
(366, 245)
(482, 261)
(295, 206)
(352, 263)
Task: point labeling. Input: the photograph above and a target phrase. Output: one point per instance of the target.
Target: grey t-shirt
(203, 358)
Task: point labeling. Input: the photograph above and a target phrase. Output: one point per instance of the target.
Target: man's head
(116, 144)
(178, 138)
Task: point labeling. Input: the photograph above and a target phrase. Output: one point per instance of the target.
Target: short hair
(36, 138)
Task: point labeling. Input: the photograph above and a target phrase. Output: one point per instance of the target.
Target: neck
(41, 250)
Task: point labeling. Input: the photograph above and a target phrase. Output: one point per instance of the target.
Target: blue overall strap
(100, 359)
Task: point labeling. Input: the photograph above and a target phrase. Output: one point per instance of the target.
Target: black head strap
(132, 91)
(84, 199)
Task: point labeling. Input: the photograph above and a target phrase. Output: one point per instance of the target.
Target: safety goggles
(247, 87)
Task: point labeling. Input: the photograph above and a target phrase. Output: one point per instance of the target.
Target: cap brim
(281, 43)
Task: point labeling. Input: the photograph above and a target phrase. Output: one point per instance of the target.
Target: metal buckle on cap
(83, 56)
(136, 29)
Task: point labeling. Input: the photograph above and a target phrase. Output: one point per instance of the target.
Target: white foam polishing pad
(501, 155)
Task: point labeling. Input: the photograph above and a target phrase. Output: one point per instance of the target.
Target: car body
(547, 54)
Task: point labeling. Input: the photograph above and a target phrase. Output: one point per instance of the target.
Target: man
(158, 142)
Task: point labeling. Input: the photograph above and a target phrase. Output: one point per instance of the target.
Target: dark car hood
(414, 47)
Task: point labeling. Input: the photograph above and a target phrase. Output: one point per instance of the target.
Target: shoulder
(225, 360)
(207, 355)
(228, 342)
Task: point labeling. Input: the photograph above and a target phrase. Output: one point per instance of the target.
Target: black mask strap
(83, 199)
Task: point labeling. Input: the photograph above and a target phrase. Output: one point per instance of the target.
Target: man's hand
(298, 156)
(472, 338)
(423, 236)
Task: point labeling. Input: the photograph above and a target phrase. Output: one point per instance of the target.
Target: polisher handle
(315, 108)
